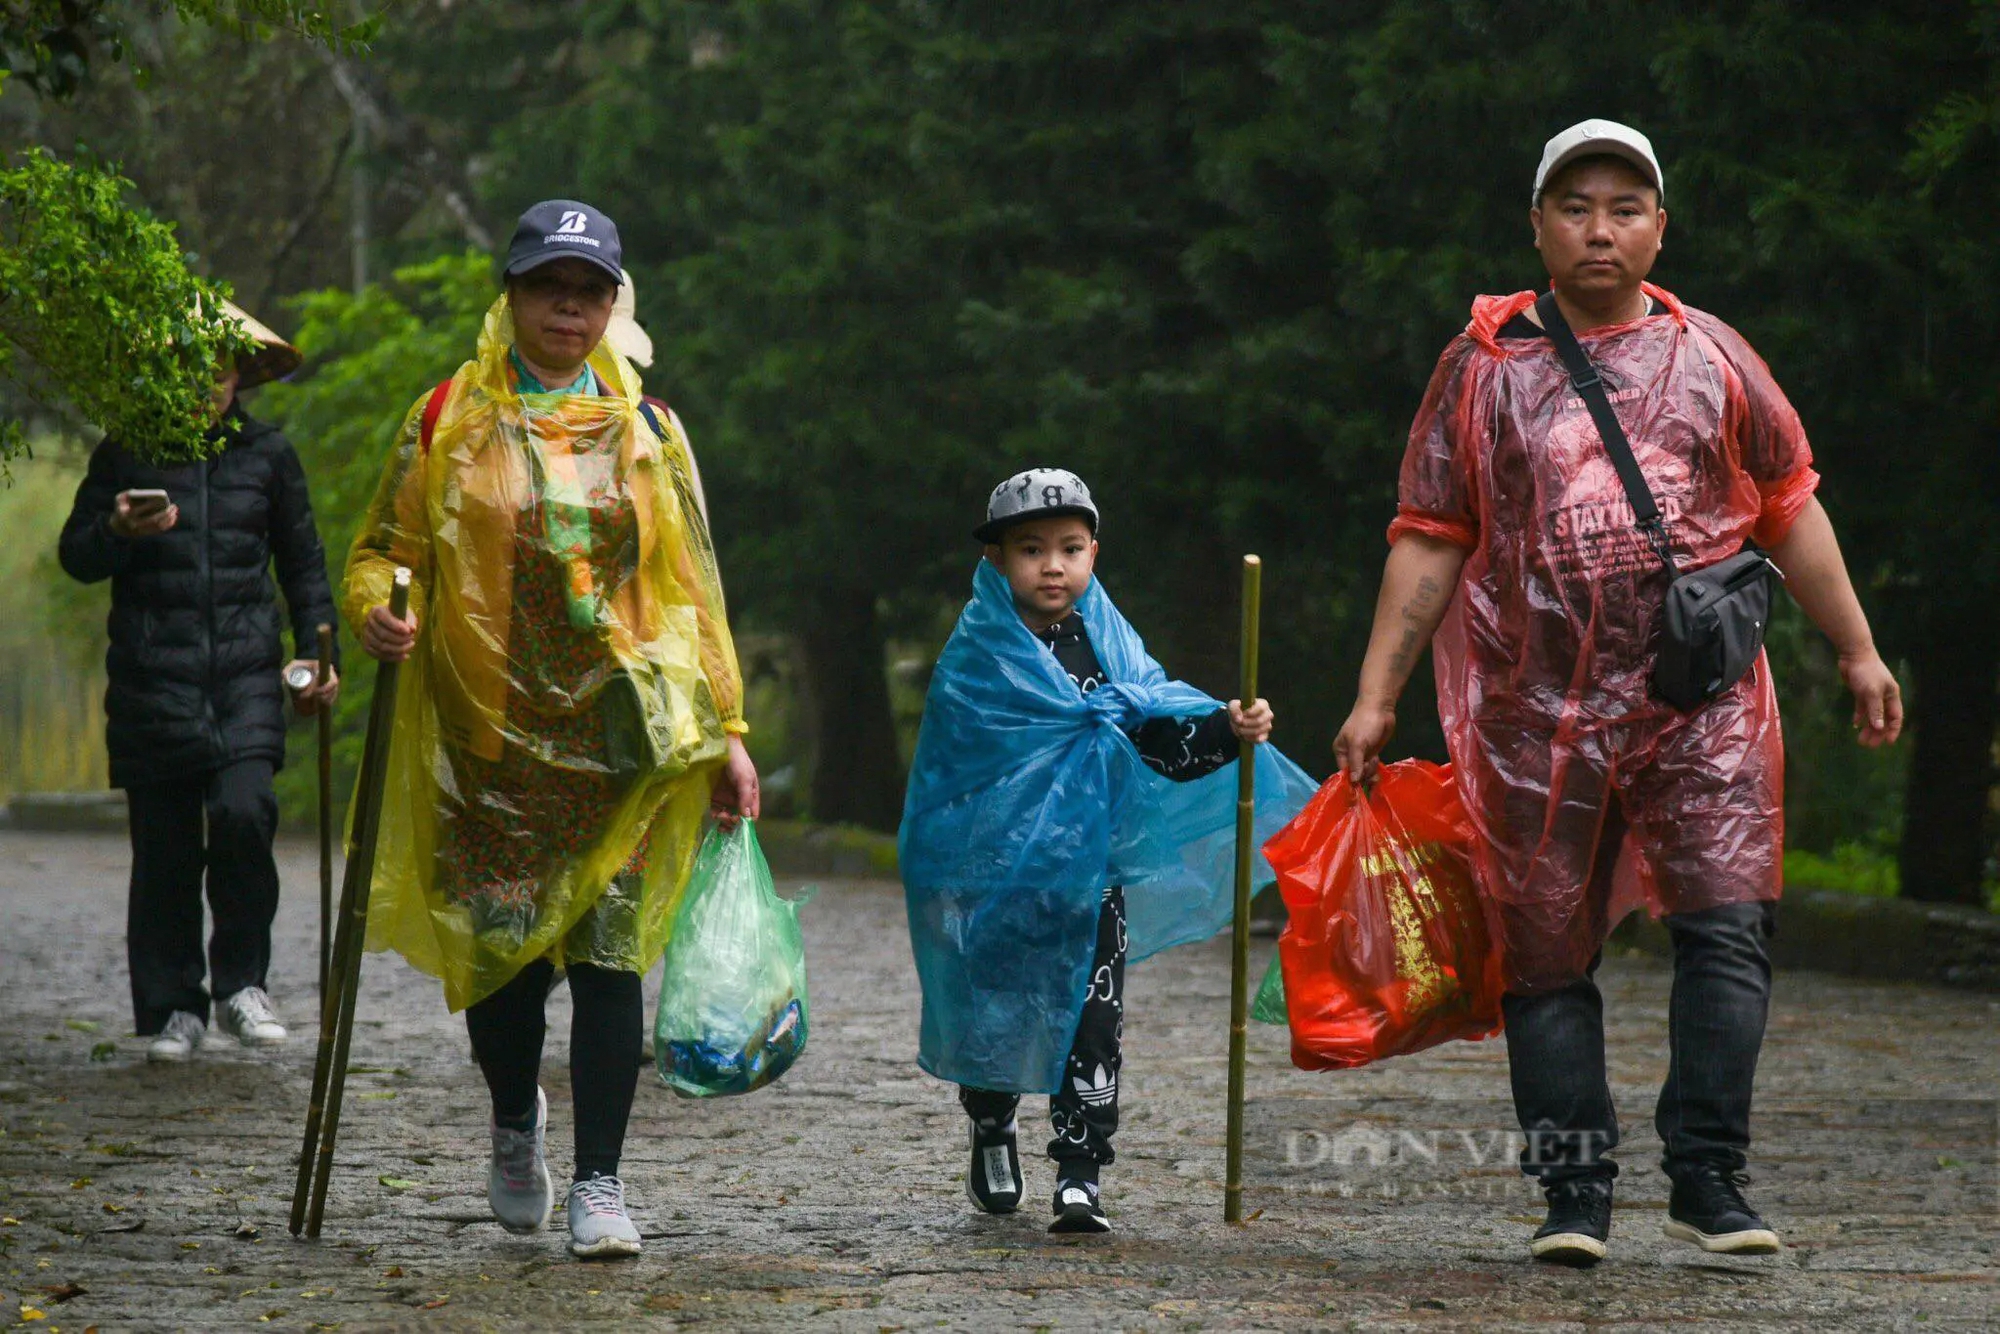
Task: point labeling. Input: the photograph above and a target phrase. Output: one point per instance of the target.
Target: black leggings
(605, 1033)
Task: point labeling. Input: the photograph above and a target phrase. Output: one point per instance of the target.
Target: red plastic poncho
(1565, 758)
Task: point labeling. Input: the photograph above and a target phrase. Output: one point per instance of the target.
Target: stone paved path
(139, 1197)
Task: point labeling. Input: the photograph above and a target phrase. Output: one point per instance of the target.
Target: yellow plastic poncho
(561, 722)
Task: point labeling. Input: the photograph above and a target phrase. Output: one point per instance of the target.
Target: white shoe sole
(1567, 1248)
(994, 1208)
(169, 1055)
(548, 1185)
(1080, 1224)
(1750, 1241)
(604, 1248)
(522, 1230)
(250, 1040)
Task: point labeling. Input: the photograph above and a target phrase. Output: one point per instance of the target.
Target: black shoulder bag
(1714, 618)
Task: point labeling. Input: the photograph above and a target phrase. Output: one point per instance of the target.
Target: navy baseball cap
(564, 229)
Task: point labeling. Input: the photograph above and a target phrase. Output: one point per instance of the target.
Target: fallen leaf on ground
(82, 1025)
(393, 1271)
(397, 1183)
(432, 1306)
(247, 1231)
(103, 1051)
(63, 1292)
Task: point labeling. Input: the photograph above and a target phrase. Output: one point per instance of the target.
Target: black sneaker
(993, 1181)
(1707, 1208)
(1579, 1223)
(1077, 1209)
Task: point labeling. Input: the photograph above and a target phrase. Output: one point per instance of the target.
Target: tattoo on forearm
(1417, 619)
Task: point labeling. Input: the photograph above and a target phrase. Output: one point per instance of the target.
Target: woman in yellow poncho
(572, 709)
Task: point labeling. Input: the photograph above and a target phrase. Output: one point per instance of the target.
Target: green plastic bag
(1269, 1007)
(732, 1013)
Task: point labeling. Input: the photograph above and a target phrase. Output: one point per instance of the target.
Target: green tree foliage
(372, 355)
(1206, 254)
(805, 326)
(242, 143)
(891, 251)
(98, 310)
(50, 44)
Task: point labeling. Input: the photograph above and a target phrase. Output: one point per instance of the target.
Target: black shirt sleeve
(1182, 749)
(301, 560)
(1185, 749)
(88, 550)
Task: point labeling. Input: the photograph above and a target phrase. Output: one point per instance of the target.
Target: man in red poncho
(1564, 755)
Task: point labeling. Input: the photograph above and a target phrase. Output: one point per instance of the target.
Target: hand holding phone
(143, 512)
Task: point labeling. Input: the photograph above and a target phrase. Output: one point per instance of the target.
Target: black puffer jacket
(195, 650)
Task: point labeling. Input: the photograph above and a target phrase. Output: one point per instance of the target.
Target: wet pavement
(156, 1197)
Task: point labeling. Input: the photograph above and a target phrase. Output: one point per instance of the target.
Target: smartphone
(145, 501)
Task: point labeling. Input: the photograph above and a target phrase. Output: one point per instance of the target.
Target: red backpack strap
(432, 409)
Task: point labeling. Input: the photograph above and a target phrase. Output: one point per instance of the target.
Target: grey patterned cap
(1038, 493)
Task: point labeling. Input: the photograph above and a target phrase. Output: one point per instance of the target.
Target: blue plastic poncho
(1025, 800)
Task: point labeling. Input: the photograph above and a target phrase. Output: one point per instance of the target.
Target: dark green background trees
(1205, 254)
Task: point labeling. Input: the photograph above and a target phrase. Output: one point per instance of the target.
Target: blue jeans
(1715, 1028)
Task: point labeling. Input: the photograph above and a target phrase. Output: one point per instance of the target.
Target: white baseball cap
(1588, 137)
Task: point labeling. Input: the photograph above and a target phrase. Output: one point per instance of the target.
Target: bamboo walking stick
(1239, 958)
(336, 1028)
(325, 814)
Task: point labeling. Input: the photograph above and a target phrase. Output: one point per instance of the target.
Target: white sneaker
(599, 1227)
(517, 1184)
(248, 1017)
(177, 1041)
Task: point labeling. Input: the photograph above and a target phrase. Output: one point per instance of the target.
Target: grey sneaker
(517, 1184)
(599, 1227)
(248, 1017)
(177, 1041)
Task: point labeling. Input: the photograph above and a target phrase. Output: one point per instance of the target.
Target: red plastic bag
(1388, 949)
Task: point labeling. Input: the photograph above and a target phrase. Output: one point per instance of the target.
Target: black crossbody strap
(1584, 379)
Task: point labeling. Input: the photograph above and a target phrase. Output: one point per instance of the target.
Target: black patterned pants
(1084, 1114)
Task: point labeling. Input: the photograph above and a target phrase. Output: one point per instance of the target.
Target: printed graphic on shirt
(1185, 752)
(1589, 522)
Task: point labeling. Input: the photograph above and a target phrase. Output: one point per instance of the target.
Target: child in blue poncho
(1059, 778)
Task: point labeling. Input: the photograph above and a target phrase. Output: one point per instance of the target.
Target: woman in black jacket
(195, 710)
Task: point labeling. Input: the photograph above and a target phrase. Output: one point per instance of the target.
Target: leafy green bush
(1850, 868)
(99, 310)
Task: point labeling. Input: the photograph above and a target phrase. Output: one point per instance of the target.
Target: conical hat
(274, 358)
(627, 339)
